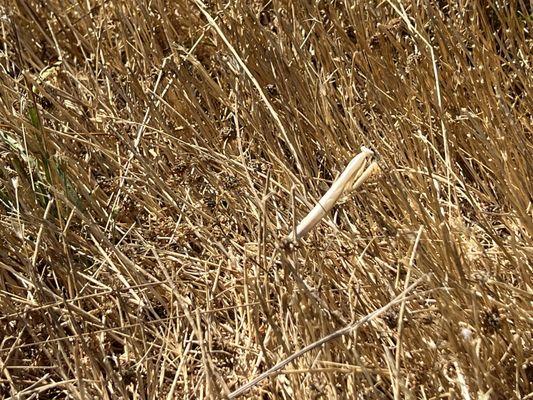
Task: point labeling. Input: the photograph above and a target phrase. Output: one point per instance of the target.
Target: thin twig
(402, 312)
(400, 10)
(247, 71)
(341, 332)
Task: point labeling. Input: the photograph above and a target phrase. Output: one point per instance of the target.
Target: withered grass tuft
(155, 154)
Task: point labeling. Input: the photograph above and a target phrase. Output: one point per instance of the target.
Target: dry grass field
(156, 155)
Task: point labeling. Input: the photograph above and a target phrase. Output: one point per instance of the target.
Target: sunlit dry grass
(156, 154)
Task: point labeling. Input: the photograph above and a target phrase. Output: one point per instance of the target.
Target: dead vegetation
(155, 154)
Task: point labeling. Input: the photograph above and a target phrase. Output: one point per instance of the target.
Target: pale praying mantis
(357, 171)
